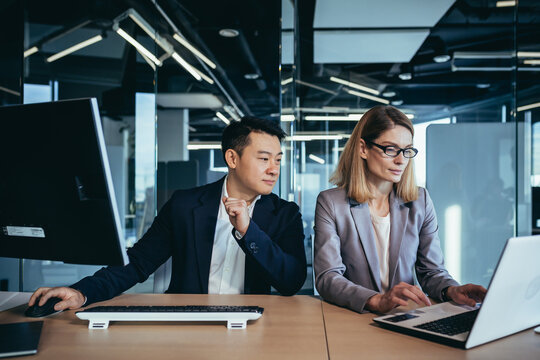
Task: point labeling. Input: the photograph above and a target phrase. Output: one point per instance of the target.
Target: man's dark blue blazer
(184, 229)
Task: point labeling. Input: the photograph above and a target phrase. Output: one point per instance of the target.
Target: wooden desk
(351, 335)
(291, 327)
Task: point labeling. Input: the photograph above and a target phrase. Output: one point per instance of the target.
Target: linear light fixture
(350, 117)
(139, 20)
(316, 159)
(313, 137)
(366, 96)
(74, 48)
(32, 50)
(223, 118)
(9, 91)
(230, 110)
(530, 54)
(287, 118)
(286, 81)
(203, 75)
(494, 54)
(186, 66)
(505, 3)
(167, 47)
(138, 46)
(531, 62)
(354, 85)
(195, 52)
(313, 86)
(203, 145)
(528, 107)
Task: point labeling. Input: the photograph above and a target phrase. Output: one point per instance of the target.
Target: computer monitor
(57, 199)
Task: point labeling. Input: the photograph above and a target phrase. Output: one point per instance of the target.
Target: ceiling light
(205, 78)
(483, 86)
(397, 102)
(186, 66)
(74, 48)
(229, 33)
(287, 118)
(528, 107)
(9, 91)
(251, 76)
(230, 110)
(138, 46)
(350, 117)
(523, 54)
(505, 3)
(286, 81)
(316, 159)
(366, 96)
(531, 62)
(223, 118)
(405, 76)
(203, 145)
(149, 30)
(196, 52)
(313, 137)
(354, 85)
(441, 58)
(389, 93)
(32, 50)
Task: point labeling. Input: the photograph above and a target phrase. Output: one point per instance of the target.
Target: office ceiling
(363, 42)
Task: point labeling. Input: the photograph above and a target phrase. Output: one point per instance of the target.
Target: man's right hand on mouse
(71, 298)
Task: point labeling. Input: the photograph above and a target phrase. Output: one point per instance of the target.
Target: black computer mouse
(41, 311)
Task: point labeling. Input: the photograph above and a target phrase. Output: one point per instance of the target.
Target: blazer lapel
(399, 214)
(204, 220)
(362, 221)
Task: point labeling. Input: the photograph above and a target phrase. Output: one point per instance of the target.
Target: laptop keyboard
(451, 325)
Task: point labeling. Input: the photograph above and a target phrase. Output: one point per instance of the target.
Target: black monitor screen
(56, 195)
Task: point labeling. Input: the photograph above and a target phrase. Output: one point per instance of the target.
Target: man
(229, 237)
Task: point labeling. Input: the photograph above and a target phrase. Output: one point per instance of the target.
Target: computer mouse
(45, 310)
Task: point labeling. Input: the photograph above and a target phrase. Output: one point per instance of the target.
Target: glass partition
(457, 69)
(169, 76)
(92, 50)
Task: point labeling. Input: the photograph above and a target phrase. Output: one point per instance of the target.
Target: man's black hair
(236, 134)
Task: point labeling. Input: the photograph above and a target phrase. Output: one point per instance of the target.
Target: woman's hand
(399, 295)
(468, 294)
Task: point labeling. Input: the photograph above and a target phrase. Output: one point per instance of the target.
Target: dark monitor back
(56, 195)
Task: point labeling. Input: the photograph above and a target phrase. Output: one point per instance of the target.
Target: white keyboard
(235, 316)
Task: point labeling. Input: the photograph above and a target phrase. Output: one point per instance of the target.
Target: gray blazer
(346, 263)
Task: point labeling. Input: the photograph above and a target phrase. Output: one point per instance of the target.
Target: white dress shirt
(228, 260)
(381, 227)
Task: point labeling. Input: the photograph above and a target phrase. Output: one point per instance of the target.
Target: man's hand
(399, 295)
(468, 294)
(71, 298)
(238, 213)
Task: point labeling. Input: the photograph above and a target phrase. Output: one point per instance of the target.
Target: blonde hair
(351, 172)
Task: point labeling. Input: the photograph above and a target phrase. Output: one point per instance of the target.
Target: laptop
(512, 304)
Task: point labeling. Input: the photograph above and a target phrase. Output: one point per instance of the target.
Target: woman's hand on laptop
(399, 295)
(468, 294)
(71, 298)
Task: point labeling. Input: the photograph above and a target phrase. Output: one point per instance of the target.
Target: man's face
(257, 170)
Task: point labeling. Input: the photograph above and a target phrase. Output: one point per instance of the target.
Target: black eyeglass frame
(383, 148)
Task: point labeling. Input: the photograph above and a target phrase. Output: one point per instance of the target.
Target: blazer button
(253, 247)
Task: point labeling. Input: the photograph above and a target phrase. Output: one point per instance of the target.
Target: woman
(377, 230)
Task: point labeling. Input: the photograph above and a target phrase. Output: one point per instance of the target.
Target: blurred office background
(170, 74)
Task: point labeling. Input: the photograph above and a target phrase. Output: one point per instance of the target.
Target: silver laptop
(512, 304)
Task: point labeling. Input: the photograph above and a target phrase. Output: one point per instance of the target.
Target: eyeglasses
(393, 151)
